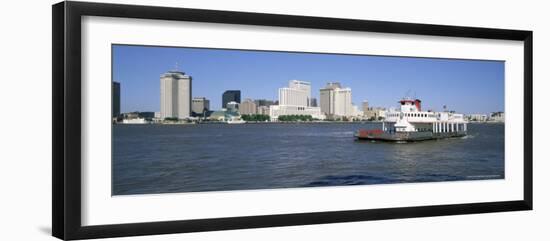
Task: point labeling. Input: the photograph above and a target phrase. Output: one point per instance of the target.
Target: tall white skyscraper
(292, 97)
(303, 86)
(295, 100)
(175, 95)
(342, 102)
(336, 101)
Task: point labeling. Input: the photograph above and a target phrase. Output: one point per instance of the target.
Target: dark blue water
(214, 157)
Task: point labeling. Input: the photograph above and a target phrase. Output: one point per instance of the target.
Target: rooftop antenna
(176, 66)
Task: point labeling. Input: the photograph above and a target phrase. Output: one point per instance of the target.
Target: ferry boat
(410, 123)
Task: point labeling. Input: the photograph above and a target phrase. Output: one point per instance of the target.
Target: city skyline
(470, 86)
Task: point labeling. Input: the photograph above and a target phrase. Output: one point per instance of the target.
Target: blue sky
(466, 86)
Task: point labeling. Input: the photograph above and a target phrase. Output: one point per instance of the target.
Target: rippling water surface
(214, 157)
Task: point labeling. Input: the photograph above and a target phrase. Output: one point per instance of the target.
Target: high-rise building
(336, 101)
(365, 106)
(343, 105)
(313, 102)
(248, 107)
(295, 100)
(231, 95)
(304, 86)
(175, 95)
(200, 105)
(292, 97)
(115, 109)
(327, 98)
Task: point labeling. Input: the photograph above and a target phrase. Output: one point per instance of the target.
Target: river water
(219, 157)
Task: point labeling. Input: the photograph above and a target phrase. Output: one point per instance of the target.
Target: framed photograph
(172, 120)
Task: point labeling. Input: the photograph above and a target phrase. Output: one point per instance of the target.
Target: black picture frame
(66, 127)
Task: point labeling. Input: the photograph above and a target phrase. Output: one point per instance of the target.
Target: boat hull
(406, 136)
